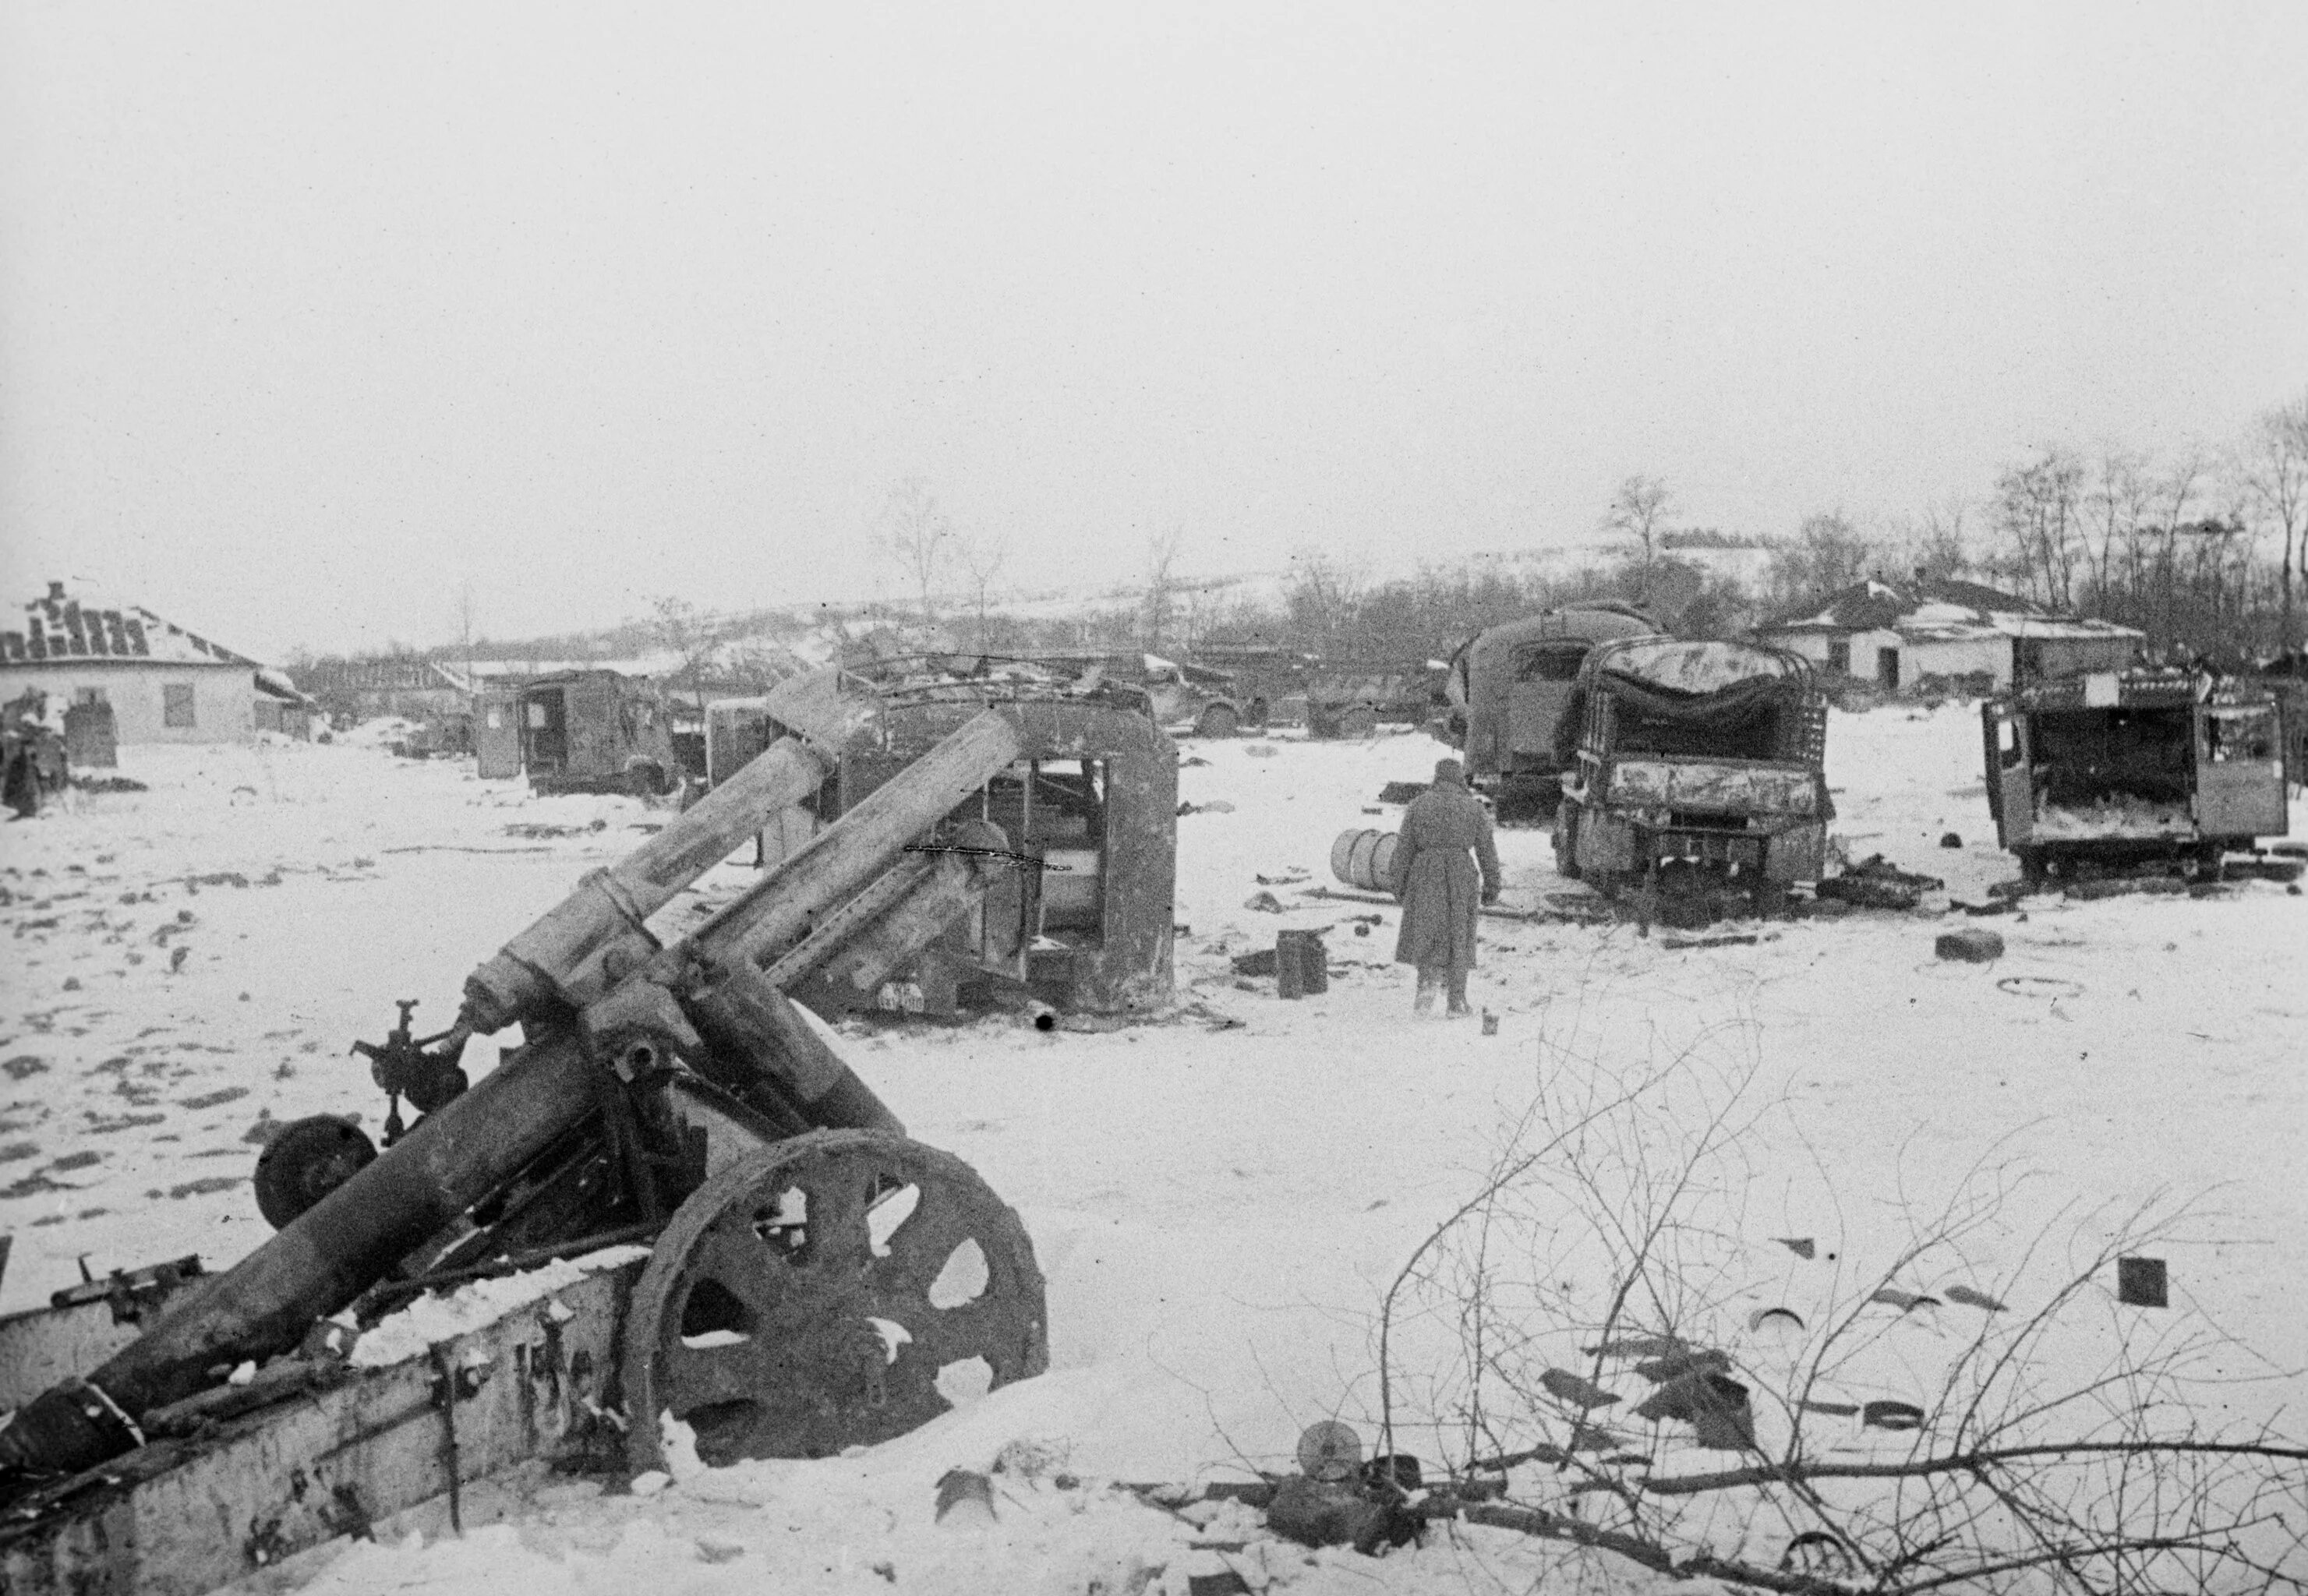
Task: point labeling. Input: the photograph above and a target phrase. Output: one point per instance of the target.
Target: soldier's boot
(1460, 1008)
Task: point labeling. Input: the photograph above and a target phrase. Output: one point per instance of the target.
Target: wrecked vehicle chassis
(666, 1096)
(1697, 766)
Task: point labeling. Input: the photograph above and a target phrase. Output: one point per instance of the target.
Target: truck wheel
(1219, 720)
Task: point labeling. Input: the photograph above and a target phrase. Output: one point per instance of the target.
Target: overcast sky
(313, 316)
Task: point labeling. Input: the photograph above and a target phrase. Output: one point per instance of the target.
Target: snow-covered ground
(1220, 1197)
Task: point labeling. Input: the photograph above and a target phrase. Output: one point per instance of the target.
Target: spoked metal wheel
(832, 1290)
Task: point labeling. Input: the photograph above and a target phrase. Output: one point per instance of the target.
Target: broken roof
(62, 626)
(1944, 610)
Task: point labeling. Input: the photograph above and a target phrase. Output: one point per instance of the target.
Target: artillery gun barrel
(780, 911)
(467, 1150)
(576, 951)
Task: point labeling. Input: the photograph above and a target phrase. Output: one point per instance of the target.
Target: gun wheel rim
(778, 1329)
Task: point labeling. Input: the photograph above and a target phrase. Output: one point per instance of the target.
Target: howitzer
(662, 1091)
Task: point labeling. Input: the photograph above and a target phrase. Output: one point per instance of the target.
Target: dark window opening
(1839, 655)
(1551, 662)
(177, 704)
(2082, 756)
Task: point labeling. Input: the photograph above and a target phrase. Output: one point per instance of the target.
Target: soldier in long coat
(1445, 836)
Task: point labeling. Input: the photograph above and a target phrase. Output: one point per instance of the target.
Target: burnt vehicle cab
(579, 732)
(1507, 689)
(2121, 767)
(1694, 762)
(1085, 821)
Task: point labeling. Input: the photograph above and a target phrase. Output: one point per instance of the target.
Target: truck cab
(1507, 689)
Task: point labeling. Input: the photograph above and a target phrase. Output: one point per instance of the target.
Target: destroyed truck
(1080, 917)
(771, 1262)
(594, 731)
(2117, 769)
(1506, 690)
(1691, 768)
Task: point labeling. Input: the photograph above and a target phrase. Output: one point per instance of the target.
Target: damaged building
(1908, 635)
(158, 681)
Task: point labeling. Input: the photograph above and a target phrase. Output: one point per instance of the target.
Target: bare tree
(1323, 596)
(982, 558)
(2039, 509)
(681, 630)
(1162, 565)
(1897, 1421)
(2274, 467)
(2117, 505)
(1638, 513)
(913, 533)
(1828, 553)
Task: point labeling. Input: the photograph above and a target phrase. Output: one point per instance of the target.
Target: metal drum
(1342, 853)
(1382, 862)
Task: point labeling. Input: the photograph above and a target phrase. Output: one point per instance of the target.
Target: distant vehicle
(2119, 767)
(1695, 764)
(1350, 699)
(1270, 680)
(1208, 703)
(1506, 690)
(579, 732)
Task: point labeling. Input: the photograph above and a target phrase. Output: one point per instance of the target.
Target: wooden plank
(181, 1517)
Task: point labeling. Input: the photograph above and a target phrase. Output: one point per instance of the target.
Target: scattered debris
(1330, 1450)
(965, 1496)
(1737, 939)
(1215, 806)
(1803, 1247)
(1877, 883)
(1904, 1301)
(1400, 792)
(1264, 903)
(2142, 1282)
(1259, 750)
(1891, 1415)
(1949, 839)
(1576, 1389)
(1971, 945)
(1971, 1299)
(538, 829)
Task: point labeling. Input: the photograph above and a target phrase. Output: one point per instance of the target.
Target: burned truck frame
(2117, 768)
(1078, 913)
(813, 1279)
(1694, 764)
(579, 731)
(1507, 689)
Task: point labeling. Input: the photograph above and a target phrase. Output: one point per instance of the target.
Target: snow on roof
(63, 626)
(1943, 609)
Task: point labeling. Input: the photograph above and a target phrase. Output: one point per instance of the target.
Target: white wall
(1960, 657)
(224, 697)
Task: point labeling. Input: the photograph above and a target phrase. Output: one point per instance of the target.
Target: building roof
(393, 674)
(1938, 612)
(60, 626)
